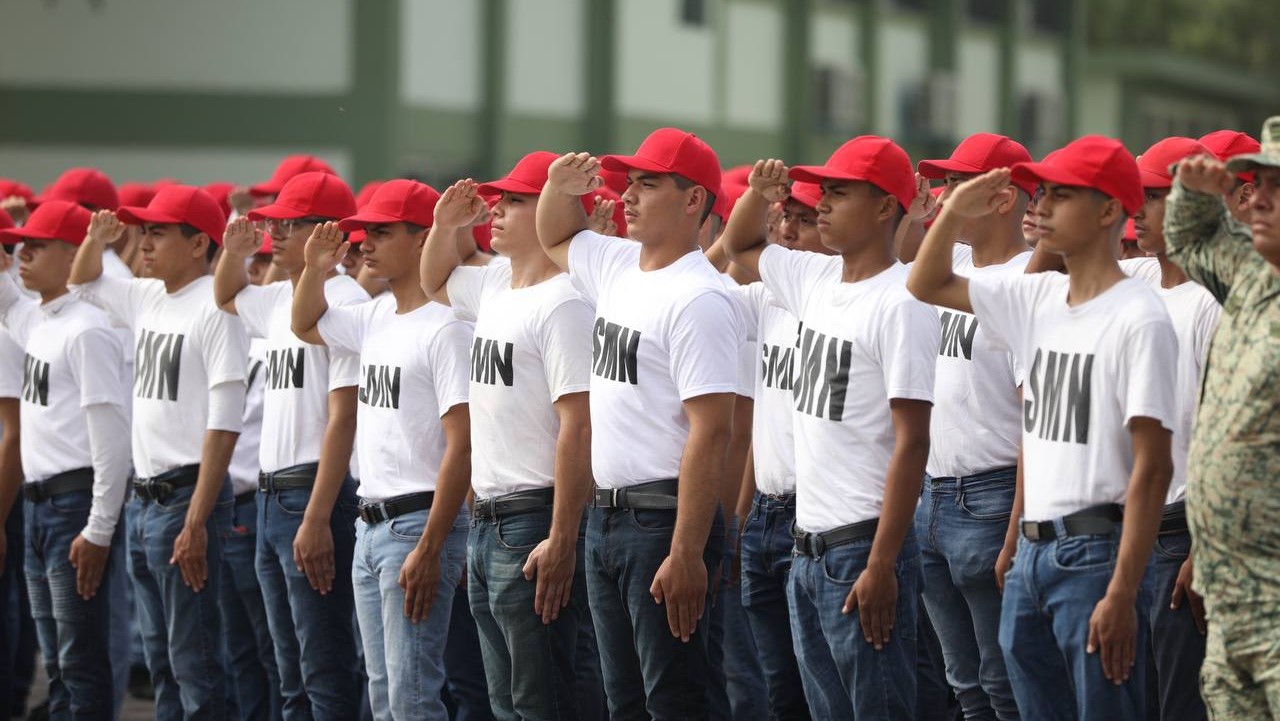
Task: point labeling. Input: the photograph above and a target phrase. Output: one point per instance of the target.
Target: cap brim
(1245, 163)
(818, 173)
(356, 236)
(625, 163)
(508, 185)
(267, 188)
(133, 215)
(360, 220)
(1036, 173)
(274, 211)
(808, 201)
(1154, 180)
(938, 169)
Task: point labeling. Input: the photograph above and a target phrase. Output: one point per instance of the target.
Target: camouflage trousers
(1240, 679)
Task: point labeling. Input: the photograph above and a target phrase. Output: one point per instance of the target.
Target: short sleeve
(449, 354)
(466, 288)
(1147, 388)
(594, 258)
(790, 275)
(18, 313)
(749, 299)
(11, 356)
(224, 347)
(704, 344)
(344, 369)
(747, 354)
(909, 339)
(1001, 304)
(97, 362)
(565, 344)
(343, 327)
(255, 304)
(121, 298)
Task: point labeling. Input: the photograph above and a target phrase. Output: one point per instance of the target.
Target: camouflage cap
(1268, 156)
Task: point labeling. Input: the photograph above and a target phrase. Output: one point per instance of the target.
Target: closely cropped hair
(684, 183)
(190, 231)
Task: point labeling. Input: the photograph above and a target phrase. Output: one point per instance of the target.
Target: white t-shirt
(1194, 313)
(10, 366)
(860, 345)
(184, 346)
(532, 345)
(976, 424)
(774, 368)
(747, 351)
(1146, 270)
(1090, 369)
(413, 369)
(113, 266)
(297, 376)
(660, 338)
(244, 459)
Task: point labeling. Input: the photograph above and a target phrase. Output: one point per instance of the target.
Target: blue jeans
(767, 550)
(253, 681)
(1177, 647)
(737, 690)
(530, 665)
(466, 690)
(1049, 596)
(181, 629)
(844, 676)
(589, 681)
(961, 525)
(648, 673)
(17, 630)
(314, 637)
(404, 660)
(74, 634)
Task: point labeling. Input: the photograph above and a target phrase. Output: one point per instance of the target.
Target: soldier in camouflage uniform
(1233, 493)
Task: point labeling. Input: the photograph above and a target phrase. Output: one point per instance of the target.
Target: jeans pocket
(177, 501)
(292, 501)
(1174, 546)
(988, 503)
(408, 527)
(74, 503)
(522, 532)
(1083, 553)
(654, 521)
(843, 565)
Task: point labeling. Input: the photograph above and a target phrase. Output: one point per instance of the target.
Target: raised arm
(457, 207)
(325, 250)
(560, 215)
(1202, 237)
(744, 235)
(104, 229)
(240, 241)
(910, 232)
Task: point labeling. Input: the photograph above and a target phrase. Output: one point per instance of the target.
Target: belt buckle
(818, 543)
(613, 497)
(1031, 529)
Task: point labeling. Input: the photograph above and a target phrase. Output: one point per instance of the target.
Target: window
(694, 12)
(991, 12)
(837, 100)
(1049, 16)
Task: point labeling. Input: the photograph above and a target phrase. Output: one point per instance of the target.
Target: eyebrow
(646, 176)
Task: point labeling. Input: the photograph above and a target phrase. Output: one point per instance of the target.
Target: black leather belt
(509, 504)
(1092, 521)
(814, 545)
(81, 479)
(1174, 519)
(160, 487)
(650, 496)
(246, 498)
(372, 512)
(300, 476)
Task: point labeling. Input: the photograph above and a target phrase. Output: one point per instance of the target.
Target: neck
(1091, 272)
(183, 279)
(867, 260)
(655, 256)
(530, 269)
(998, 244)
(48, 296)
(408, 293)
(1171, 274)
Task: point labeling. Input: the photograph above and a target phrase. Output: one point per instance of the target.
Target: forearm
(573, 481)
(229, 279)
(1145, 502)
(215, 458)
(10, 456)
(438, 262)
(747, 493)
(701, 477)
(736, 458)
(907, 239)
(744, 235)
(110, 452)
(335, 456)
(309, 303)
(932, 279)
(87, 266)
(901, 494)
(452, 486)
(1015, 514)
(559, 217)
(718, 256)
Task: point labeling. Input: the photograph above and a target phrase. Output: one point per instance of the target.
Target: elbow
(917, 286)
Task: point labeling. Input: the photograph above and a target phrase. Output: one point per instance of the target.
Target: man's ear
(889, 207)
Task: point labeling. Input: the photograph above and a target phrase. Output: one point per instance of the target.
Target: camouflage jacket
(1233, 493)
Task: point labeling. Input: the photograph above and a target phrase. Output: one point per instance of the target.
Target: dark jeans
(961, 525)
(530, 665)
(844, 676)
(17, 630)
(465, 692)
(314, 637)
(1049, 597)
(74, 634)
(648, 673)
(253, 681)
(767, 550)
(1177, 648)
(181, 629)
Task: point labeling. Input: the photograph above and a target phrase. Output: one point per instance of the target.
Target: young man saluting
(665, 349)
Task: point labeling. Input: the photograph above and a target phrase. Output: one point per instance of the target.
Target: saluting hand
(601, 218)
(925, 205)
(574, 174)
(241, 239)
(104, 228)
(460, 205)
(1205, 174)
(769, 179)
(980, 195)
(326, 247)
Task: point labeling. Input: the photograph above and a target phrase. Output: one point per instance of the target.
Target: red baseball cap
(287, 169)
(1094, 162)
(731, 191)
(9, 188)
(1153, 165)
(737, 175)
(180, 204)
(54, 220)
(309, 195)
(6, 220)
(136, 193)
(1227, 143)
(806, 194)
(397, 201)
(867, 158)
(482, 234)
(221, 192)
(614, 180)
(979, 153)
(671, 150)
(86, 186)
(529, 175)
(619, 210)
(1130, 231)
(366, 191)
